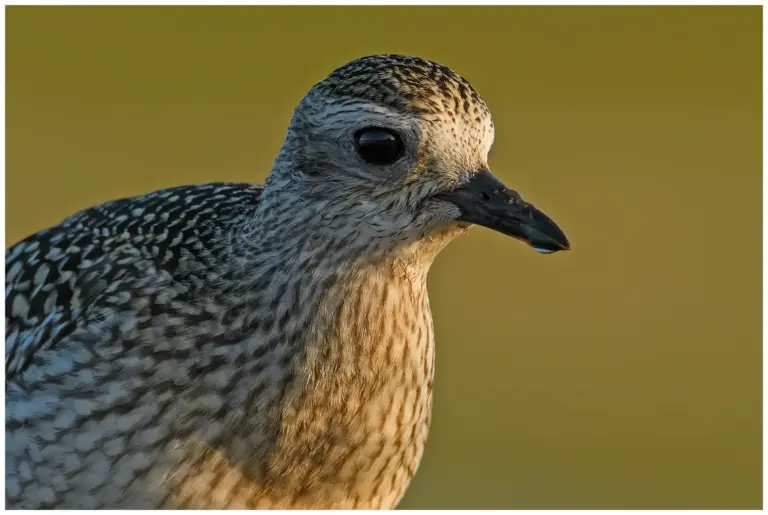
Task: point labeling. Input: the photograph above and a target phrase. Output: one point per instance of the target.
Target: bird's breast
(354, 435)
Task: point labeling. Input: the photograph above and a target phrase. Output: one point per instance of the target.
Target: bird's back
(53, 276)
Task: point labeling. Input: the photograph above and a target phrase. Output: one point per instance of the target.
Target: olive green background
(623, 374)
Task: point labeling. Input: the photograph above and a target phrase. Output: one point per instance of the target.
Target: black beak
(486, 201)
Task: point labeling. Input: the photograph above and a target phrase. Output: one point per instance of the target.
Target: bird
(231, 345)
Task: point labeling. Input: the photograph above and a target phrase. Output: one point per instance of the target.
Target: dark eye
(379, 146)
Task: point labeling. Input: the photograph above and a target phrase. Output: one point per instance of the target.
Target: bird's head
(400, 145)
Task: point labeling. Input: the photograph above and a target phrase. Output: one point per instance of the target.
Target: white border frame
(395, 2)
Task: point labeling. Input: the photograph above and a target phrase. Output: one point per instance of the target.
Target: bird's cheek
(438, 211)
(439, 219)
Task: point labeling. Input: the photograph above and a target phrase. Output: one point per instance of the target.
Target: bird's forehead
(407, 84)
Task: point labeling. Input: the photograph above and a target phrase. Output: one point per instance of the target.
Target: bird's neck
(356, 333)
(327, 289)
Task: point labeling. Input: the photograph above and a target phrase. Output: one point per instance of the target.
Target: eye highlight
(379, 146)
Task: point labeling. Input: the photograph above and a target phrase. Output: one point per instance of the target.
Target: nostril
(485, 196)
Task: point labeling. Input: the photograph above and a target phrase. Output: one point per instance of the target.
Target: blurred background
(623, 374)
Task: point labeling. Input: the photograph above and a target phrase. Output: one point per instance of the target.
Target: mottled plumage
(228, 346)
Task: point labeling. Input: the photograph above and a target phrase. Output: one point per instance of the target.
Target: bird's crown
(404, 83)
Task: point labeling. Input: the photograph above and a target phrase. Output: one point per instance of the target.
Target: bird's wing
(76, 275)
(73, 391)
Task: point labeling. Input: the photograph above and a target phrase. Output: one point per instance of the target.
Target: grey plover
(236, 346)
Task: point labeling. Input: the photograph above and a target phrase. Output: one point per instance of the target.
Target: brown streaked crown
(405, 83)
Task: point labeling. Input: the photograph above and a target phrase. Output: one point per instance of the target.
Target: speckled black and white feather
(56, 277)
